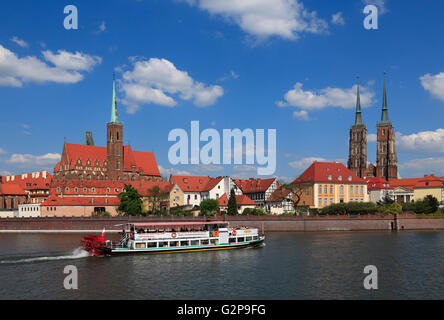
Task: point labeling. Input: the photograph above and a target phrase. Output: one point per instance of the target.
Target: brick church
(386, 158)
(114, 162)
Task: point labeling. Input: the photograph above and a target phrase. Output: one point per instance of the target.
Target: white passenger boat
(169, 237)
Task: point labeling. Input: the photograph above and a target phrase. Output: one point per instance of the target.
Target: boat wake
(78, 253)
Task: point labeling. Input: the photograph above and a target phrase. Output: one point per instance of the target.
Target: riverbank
(268, 223)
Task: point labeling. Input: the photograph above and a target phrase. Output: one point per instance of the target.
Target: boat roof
(170, 224)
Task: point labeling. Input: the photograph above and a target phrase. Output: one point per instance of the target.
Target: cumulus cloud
(266, 18)
(29, 160)
(338, 19)
(421, 167)
(422, 142)
(167, 172)
(434, 84)
(304, 163)
(381, 4)
(329, 97)
(20, 42)
(154, 81)
(14, 71)
(301, 115)
(372, 137)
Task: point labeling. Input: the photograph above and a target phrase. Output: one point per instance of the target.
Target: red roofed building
(408, 190)
(243, 202)
(326, 183)
(196, 188)
(11, 195)
(379, 189)
(257, 190)
(281, 201)
(113, 162)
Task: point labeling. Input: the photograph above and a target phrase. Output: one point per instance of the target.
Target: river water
(290, 266)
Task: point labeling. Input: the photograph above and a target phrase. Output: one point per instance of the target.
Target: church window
(117, 135)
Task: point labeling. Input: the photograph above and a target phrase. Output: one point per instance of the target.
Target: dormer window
(349, 178)
(329, 177)
(340, 178)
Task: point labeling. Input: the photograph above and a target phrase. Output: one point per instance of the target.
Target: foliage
(408, 206)
(155, 198)
(393, 208)
(427, 206)
(351, 208)
(232, 204)
(386, 201)
(130, 201)
(254, 212)
(209, 207)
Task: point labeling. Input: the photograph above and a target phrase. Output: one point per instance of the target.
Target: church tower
(357, 160)
(386, 158)
(114, 141)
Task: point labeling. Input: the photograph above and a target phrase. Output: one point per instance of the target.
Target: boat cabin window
(248, 239)
(152, 244)
(174, 243)
(204, 242)
(163, 244)
(141, 245)
(213, 241)
(241, 239)
(255, 237)
(184, 243)
(232, 240)
(194, 242)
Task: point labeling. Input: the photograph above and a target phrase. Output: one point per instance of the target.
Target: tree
(155, 197)
(232, 204)
(297, 191)
(427, 206)
(209, 207)
(130, 201)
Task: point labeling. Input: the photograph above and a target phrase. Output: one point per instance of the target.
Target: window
(341, 190)
(152, 244)
(320, 189)
(340, 178)
(325, 202)
(66, 189)
(331, 189)
(307, 191)
(174, 243)
(325, 189)
(331, 201)
(362, 190)
(194, 242)
(141, 245)
(320, 202)
(76, 190)
(163, 244)
(248, 238)
(241, 239)
(357, 190)
(351, 189)
(329, 177)
(195, 197)
(204, 242)
(93, 189)
(185, 243)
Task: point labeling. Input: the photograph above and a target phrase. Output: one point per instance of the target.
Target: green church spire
(114, 114)
(358, 120)
(385, 117)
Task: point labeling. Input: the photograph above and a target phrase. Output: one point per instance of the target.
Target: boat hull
(115, 252)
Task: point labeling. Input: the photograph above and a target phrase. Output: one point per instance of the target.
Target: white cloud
(14, 71)
(4, 173)
(320, 99)
(304, 163)
(434, 84)
(266, 18)
(29, 160)
(422, 142)
(420, 167)
(372, 137)
(381, 4)
(20, 42)
(71, 61)
(155, 80)
(301, 115)
(102, 27)
(338, 19)
(167, 172)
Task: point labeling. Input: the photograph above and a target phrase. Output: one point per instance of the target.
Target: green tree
(209, 207)
(232, 204)
(427, 206)
(130, 201)
(155, 198)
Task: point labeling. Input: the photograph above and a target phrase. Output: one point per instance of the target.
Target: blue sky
(285, 65)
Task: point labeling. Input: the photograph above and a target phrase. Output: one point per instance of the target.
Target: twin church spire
(386, 162)
(114, 114)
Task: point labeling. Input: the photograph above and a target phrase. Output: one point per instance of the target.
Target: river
(289, 266)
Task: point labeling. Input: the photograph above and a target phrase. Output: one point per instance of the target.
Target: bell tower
(357, 160)
(386, 157)
(114, 141)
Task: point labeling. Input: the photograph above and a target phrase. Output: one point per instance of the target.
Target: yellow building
(324, 183)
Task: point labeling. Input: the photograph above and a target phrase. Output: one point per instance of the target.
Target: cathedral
(386, 159)
(114, 162)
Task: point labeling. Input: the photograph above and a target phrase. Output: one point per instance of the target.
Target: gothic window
(117, 135)
(118, 165)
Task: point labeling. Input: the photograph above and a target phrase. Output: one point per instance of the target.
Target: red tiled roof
(12, 189)
(279, 195)
(428, 181)
(242, 200)
(81, 201)
(143, 161)
(195, 183)
(143, 186)
(378, 184)
(253, 185)
(328, 172)
(27, 182)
